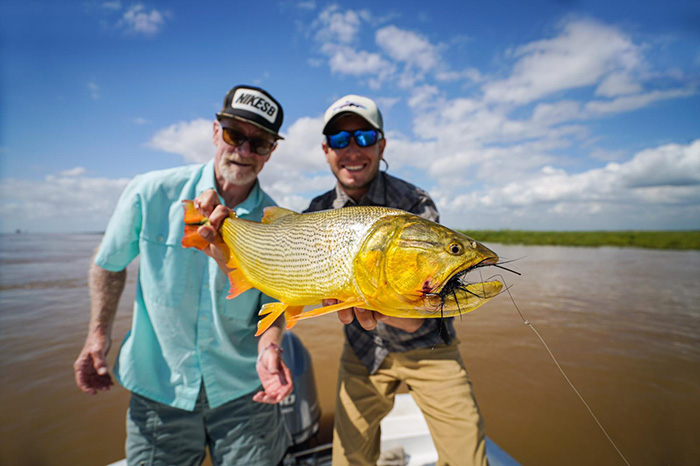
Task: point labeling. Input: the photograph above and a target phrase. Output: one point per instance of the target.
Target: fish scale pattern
(300, 258)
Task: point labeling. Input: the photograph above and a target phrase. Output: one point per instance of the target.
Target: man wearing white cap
(197, 375)
(380, 352)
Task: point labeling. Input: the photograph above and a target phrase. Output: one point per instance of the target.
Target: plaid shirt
(372, 346)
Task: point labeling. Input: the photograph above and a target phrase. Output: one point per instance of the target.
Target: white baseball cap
(362, 106)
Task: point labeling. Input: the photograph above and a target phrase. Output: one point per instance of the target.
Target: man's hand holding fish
(368, 319)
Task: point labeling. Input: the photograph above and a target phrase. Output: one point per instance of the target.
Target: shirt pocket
(163, 271)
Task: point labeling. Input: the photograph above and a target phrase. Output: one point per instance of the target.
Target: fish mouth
(459, 274)
(459, 296)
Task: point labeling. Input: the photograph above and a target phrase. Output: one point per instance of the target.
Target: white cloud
(584, 53)
(408, 47)
(668, 165)
(63, 202)
(77, 171)
(470, 74)
(142, 121)
(192, 140)
(633, 102)
(664, 180)
(617, 84)
(404, 57)
(346, 60)
(138, 20)
(336, 26)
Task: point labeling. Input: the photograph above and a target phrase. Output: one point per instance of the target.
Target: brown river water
(623, 323)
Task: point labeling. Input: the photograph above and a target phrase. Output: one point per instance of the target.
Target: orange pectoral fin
(271, 311)
(327, 310)
(239, 283)
(193, 220)
(291, 313)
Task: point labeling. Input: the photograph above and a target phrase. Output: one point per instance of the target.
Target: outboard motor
(301, 410)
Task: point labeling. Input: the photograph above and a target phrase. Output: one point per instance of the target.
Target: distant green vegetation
(632, 239)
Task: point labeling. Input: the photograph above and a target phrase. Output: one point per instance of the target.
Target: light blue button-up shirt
(184, 330)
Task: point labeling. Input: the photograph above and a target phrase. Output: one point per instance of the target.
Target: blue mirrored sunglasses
(362, 137)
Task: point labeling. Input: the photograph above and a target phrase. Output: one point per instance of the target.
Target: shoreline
(644, 239)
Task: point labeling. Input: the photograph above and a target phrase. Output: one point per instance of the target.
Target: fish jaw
(463, 299)
(407, 261)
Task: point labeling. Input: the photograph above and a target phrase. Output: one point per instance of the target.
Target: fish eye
(455, 249)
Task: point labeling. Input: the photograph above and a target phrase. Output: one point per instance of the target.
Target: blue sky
(525, 115)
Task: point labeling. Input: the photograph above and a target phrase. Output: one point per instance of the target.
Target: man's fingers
(287, 384)
(346, 316)
(218, 215)
(365, 318)
(99, 363)
(207, 202)
(208, 233)
(92, 375)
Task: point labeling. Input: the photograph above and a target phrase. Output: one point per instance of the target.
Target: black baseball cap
(255, 106)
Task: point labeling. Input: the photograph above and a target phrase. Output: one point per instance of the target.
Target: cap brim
(221, 115)
(349, 112)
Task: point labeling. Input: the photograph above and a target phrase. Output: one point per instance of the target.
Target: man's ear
(216, 129)
(325, 148)
(382, 145)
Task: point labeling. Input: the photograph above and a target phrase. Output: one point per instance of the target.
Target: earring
(385, 163)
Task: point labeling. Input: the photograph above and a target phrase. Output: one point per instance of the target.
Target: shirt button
(160, 238)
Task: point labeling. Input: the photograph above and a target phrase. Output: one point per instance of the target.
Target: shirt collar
(376, 194)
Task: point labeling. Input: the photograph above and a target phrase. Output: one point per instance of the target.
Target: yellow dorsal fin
(272, 214)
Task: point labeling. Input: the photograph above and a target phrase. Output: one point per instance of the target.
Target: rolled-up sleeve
(120, 244)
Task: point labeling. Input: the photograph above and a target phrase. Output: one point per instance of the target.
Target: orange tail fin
(193, 220)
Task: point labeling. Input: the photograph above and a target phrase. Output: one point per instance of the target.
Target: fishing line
(527, 322)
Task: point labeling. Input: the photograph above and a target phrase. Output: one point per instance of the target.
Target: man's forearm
(105, 290)
(272, 335)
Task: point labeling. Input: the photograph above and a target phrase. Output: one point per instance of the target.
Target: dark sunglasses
(234, 138)
(362, 137)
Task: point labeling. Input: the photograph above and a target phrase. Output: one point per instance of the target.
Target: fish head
(422, 265)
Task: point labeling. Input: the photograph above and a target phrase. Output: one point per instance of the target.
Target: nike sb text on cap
(253, 105)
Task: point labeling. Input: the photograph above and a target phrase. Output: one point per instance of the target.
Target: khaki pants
(438, 382)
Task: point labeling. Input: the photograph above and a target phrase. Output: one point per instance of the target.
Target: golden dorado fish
(376, 258)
